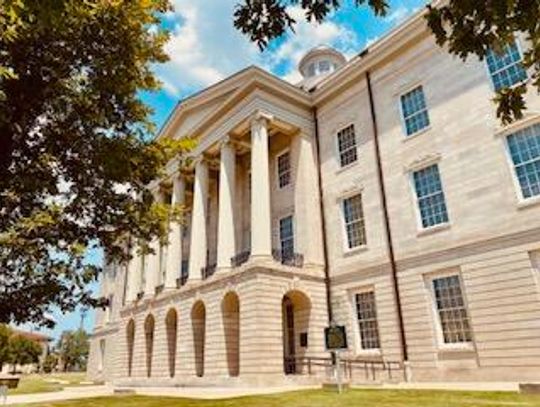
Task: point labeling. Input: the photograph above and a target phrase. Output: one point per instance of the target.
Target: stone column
(153, 273)
(261, 229)
(199, 243)
(226, 245)
(174, 255)
(306, 202)
(133, 275)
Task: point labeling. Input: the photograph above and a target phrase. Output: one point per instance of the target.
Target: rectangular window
(366, 312)
(101, 354)
(144, 267)
(430, 196)
(286, 237)
(414, 110)
(451, 310)
(163, 262)
(524, 147)
(353, 216)
(348, 153)
(284, 169)
(506, 68)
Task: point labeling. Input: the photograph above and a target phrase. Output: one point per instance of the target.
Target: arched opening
(171, 324)
(296, 309)
(130, 336)
(149, 325)
(230, 309)
(198, 323)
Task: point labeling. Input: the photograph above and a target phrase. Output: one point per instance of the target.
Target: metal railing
(181, 281)
(368, 370)
(240, 258)
(208, 271)
(288, 258)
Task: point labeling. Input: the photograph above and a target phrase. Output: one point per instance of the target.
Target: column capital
(261, 116)
(225, 141)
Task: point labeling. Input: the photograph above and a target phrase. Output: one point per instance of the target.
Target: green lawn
(43, 383)
(323, 398)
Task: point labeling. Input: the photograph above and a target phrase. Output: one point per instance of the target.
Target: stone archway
(171, 325)
(230, 309)
(198, 323)
(130, 338)
(296, 310)
(149, 325)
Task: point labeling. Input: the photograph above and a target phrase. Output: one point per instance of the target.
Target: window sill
(528, 202)
(433, 229)
(462, 350)
(356, 250)
(368, 354)
(347, 167)
(415, 135)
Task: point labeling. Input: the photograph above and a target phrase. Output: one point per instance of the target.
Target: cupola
(320, 60)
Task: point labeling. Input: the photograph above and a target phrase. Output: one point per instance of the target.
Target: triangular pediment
(192, 113)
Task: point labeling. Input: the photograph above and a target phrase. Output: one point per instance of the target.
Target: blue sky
(205, 48)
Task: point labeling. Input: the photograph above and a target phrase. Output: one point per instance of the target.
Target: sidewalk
(211, 393)
(69, 393)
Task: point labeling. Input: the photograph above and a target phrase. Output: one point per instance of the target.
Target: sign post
(335, 338)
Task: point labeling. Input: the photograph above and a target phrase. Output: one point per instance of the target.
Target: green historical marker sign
(335, 337)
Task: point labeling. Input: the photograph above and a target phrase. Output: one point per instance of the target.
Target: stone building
(381, 190)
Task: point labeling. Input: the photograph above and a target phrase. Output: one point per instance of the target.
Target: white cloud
(400, 14)
(205, 47)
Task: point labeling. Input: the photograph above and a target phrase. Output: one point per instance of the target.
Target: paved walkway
(71, 393)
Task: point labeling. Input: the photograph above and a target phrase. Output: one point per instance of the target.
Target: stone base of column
(264, 259)
(223, 270)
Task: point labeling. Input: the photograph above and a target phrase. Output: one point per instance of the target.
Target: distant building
(42, 340)
(383, 189)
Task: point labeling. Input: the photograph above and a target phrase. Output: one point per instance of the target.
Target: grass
(324, 398)
(42, 383)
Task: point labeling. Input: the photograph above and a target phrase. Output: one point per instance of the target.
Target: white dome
(320, 60)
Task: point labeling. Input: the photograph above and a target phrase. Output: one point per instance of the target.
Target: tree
(50, 363)
(22, 351)
(76, 155)
(5, 333)
(464, 27)
(73, 348)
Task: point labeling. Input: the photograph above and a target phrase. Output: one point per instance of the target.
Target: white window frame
(336, 147)
(488, 73)
(289, 215)
(419, 225)
(435, 317)
(278, 155)
(359, 350)
(522, 201)
(102, 344)
(403, 92)
(344, 236)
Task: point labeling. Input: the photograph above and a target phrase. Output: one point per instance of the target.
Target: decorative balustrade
(288, 258)
(240, 258)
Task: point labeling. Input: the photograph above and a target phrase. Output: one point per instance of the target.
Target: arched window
(149, 325)
(230, 309)
(130, 336)
(171, 324)
(198, 323)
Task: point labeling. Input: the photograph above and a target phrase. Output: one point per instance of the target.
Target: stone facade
(463, 276)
